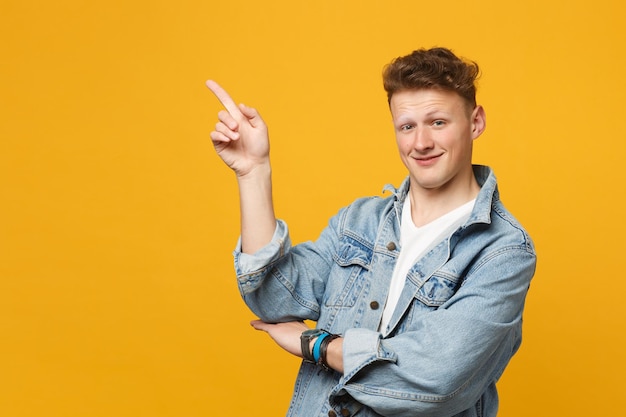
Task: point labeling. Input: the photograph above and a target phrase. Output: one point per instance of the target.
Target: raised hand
(241, 140)
(240, 137)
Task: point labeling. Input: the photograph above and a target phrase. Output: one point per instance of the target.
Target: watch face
(305, 340)
(312, 332)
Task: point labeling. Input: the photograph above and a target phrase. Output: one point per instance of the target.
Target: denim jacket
(456, 325)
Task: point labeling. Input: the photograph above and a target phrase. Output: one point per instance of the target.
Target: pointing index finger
(223, 97)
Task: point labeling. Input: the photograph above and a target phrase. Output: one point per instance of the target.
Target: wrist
(334, 354)
(259, 173)
(319, 347)
(307, 343)
(325, 347)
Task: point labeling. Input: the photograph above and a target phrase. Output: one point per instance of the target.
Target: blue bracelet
(316, 346)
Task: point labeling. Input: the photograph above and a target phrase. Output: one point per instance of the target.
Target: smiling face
(434, 131)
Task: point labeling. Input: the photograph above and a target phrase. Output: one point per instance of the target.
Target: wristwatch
(305, 343)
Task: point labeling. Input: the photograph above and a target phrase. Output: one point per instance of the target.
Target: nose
(422, 140)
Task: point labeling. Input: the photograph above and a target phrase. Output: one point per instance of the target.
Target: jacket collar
(487, 196)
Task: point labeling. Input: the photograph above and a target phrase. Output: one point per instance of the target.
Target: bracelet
(316, 346)
(324, 350)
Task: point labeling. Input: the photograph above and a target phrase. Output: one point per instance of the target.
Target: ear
(479, 121)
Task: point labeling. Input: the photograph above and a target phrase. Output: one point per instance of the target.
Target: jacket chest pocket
(351, 264)
(430, 296)
(437, 290)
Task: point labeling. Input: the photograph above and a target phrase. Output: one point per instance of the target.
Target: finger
(218, 137)
(228, 120)
(226, 131)
(223, 97)
(252, 115)
(260, 325)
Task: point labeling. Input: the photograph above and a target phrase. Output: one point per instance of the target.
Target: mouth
(427, 160)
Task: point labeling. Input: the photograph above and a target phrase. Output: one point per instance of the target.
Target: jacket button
(345, 412)
(332, 413)
(391, 246)
(374, 305)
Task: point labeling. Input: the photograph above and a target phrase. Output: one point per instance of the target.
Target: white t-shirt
(414, 243)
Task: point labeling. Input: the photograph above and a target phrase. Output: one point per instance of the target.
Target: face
(435, 130)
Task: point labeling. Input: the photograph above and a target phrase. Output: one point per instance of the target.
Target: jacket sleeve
(282, 282)
(452, 354)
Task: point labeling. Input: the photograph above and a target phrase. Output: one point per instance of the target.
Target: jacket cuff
(247, 264)
(360, 348)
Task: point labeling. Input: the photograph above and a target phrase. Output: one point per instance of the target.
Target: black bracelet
(324, 350)
(305, 343)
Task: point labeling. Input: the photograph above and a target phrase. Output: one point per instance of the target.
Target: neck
(430, 204)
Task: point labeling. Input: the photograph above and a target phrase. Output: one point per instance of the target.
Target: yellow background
(117, 220)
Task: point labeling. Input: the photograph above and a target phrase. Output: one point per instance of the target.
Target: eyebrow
(407, 117)
(432, 113)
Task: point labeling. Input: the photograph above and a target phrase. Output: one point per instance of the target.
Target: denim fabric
(456, 326)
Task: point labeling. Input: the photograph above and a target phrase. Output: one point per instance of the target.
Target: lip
(427, 160)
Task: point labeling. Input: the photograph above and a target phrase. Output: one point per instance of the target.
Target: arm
(295, 275)
(287, 336)
(241, 139)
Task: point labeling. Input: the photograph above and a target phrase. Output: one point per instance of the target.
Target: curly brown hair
(436, 68)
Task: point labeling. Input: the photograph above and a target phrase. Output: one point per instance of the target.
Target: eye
(439, 123)
(406, 128)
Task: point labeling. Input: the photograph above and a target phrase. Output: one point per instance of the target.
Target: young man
(420, 294)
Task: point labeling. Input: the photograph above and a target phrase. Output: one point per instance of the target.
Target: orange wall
(117, 220)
